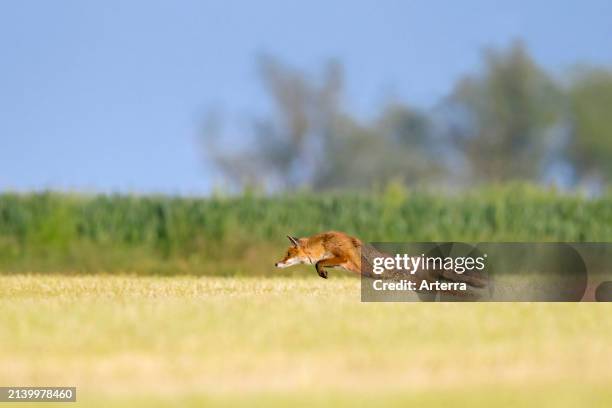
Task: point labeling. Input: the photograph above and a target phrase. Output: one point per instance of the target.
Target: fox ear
(294, 240)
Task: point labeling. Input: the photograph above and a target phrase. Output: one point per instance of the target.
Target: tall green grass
(228, 235)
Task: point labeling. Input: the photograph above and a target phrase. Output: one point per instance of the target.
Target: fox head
(295, 254)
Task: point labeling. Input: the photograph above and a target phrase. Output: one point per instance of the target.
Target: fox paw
(323, 274)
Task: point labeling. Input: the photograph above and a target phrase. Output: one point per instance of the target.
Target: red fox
(337, 249)
(326, 250)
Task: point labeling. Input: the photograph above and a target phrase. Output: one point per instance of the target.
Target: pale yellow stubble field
(135, 341)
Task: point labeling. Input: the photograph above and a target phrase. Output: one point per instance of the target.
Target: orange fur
(326, 250)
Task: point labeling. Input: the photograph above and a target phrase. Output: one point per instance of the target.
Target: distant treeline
(510, 120)
(156, 234)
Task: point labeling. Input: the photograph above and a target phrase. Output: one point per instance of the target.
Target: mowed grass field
(198, 341)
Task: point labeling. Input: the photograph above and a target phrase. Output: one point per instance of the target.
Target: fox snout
(287, 262)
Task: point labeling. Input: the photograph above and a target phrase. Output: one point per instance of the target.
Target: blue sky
(109, 95)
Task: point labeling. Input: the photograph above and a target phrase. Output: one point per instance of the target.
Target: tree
(310, 141)
(398, 146)
(506, 110)
(286, 148)
(590, 148)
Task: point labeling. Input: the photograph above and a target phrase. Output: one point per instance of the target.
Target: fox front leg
(329, 262)
(322, 272)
